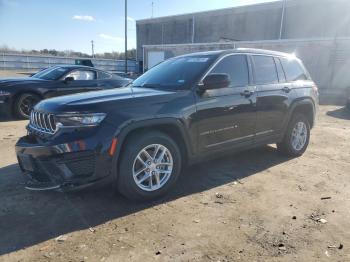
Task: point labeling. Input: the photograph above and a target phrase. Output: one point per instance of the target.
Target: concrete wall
(327, 59)
(303, 19)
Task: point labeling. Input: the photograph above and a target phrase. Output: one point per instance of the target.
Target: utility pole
(282, 18)
(126, 36)
(92, 49)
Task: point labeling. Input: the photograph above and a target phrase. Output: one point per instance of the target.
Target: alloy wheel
(299, 136)
(152, 167)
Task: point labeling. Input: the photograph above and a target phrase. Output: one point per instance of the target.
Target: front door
(226, 117)
(84, 81)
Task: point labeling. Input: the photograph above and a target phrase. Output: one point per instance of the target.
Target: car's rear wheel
(150, 165)
(297, 137)
(24, 104)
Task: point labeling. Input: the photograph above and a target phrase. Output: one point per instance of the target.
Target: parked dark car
(184, 110)
(19, 95)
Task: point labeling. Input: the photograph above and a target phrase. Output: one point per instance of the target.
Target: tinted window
(82, 75)
(293, 70)
(265, 70)
(175, 73)
(104, 75)
(236, 67)
(280, 71)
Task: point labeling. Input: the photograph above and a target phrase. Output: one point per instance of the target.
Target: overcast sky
(72, 24)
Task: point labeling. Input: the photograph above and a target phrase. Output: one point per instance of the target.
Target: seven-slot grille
(43, 122)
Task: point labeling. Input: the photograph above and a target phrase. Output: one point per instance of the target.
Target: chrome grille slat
(32, 120)
(52, 122)
(45, 122)
(36, 119)
(42, 122)
(39, 122)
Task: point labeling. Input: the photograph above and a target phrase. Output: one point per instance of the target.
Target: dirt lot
(254, 206)
(10, 73)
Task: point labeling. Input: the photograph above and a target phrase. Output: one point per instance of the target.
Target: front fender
(124, 130)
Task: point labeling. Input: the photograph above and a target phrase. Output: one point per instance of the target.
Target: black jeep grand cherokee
(183, 110)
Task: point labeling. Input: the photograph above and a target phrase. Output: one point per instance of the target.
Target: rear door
(226, 117)
(274, 95)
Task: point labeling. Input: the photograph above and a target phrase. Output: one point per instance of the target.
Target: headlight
(79, 120)
(4, 93)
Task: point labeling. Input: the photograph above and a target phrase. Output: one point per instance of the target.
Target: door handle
(286, 89)
(247, 93)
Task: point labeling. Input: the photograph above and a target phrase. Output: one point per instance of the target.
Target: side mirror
(68, 79)
(215, 81)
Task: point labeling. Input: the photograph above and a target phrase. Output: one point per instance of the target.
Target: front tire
(150, 165)
(297, 137)
(24, 104)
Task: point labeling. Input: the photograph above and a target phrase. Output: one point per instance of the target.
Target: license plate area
(26, 162)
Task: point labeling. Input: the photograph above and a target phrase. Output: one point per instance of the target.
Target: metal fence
(35, 62)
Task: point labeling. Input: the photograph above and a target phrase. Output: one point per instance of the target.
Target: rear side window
(236, 67)
(294, 71)
(104, 75)
(281, 75)
(265, 70)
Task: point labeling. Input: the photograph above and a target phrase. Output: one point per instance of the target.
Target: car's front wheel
(297, 136)
(150, 165)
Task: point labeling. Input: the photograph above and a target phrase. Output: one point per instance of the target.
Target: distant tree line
(69, 53)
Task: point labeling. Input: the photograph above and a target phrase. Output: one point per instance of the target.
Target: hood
(19, 80)
(91, 100)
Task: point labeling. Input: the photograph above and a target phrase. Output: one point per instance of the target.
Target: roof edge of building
(269, 3)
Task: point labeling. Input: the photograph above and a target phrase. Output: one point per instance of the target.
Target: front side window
(265, 70)
(82, 75)
(293, 70)
(236, 67)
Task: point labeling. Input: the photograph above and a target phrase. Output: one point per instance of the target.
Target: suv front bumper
(61, 166)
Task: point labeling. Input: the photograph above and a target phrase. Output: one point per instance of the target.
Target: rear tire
(149, 166)
(297, 137)
(24, 104)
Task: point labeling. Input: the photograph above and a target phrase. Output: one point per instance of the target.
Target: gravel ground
(252, 206)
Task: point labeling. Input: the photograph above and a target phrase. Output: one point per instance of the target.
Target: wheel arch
(174, 128)
(21, 92)
(304, 106)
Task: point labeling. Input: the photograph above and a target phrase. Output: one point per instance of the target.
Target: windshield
(51, 73)
(176, 73)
